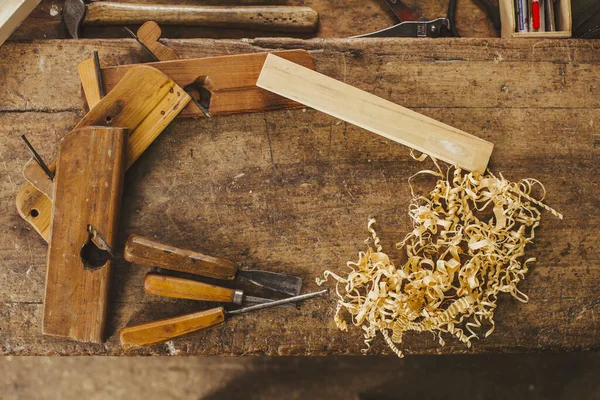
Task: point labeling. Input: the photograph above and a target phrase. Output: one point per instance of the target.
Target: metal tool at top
(413, 24)
(145, 251)
(160, 331)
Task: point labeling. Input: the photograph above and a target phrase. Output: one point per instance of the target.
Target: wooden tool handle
(149, 34)
(181, 288)
(141, 250)
(265, 18)
(166, 329)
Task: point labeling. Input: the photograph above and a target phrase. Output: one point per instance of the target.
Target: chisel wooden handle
(180, 288)
(141, 250)
(166, 329)
(265, 18)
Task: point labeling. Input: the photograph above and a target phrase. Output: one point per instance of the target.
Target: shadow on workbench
(527, 376)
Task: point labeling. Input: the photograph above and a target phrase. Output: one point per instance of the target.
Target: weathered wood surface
(337, 19)
(291, 191)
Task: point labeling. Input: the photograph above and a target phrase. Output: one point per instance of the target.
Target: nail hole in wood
(93, 257)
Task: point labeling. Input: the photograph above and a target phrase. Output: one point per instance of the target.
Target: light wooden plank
(12, 13)
(375, 114)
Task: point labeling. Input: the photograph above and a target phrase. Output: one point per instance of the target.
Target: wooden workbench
(291, 191)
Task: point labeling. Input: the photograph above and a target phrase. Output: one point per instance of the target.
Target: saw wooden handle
(142, 250)
(264, 18)
(180, 288)
(166, 329)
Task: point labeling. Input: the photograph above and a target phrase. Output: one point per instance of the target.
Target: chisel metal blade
(431, 29)
(255, 300)
(290, 285)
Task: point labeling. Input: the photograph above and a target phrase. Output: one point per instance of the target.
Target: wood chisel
(145, 251)
(160, 331)
(181, 288)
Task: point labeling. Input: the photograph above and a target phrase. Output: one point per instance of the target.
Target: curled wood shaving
(467, 245)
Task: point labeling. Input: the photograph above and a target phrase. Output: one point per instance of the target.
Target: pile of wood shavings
(467, 245)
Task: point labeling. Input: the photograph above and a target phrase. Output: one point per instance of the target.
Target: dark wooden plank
(291, 191)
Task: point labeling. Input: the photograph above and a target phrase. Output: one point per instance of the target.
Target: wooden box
(562, 14)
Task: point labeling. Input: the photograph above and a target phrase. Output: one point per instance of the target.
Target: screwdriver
(166, 329)
(180, 288)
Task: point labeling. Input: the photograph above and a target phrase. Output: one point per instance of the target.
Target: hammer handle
(167, 329)
(145, 251)
(264, 18)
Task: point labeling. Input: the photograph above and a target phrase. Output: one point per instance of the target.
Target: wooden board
(291, 191)
(145, 103)
(374, 114)
(12, 13)
(232, 81)
(88, 188)
(336, 20)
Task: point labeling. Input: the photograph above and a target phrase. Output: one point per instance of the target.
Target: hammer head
(73, 14)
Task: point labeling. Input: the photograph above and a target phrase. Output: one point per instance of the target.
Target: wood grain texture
(181, 288)
(262, 18)
(375, 114)
(336, 20)
(88, 188)
(291, 190)
(149, 34)
(232, 81)
(145, 251)
(160, 331)
(144, 104)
